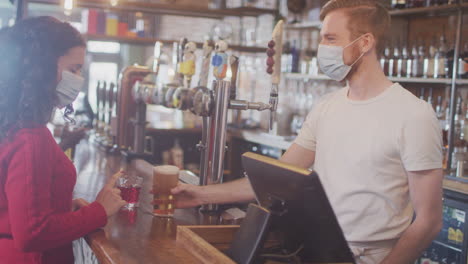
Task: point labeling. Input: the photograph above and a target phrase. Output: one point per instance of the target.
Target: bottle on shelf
(449, 61)
(422, 57)
(463, 63)
(399, 4)
(422, 94)
(429, 98)
(440, 59)
(391, 62)
(402, 62)
(396, 61)
(459, 146)
(415, 62)
(429, 62)
(294, 57)
(409, 63)
(384, 60)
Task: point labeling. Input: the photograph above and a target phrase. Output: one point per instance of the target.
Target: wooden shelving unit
(431, 11)
(166, 9)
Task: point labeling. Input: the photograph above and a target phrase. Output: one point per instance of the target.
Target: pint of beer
(164, 179)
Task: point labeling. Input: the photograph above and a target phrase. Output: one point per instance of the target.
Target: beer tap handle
(157, 56)
(220, 60)
(234, 62)
(274, 52)
(98, 103)
(187, 66)
(208, 47)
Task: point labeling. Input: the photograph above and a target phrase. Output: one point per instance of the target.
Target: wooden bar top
(139, 237)
(129, 237)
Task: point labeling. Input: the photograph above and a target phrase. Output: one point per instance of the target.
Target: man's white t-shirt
(363, 150)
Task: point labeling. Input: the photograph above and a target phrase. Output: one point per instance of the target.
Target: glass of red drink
(130, 188)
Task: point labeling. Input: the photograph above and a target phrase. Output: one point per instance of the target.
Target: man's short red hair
(365, 16)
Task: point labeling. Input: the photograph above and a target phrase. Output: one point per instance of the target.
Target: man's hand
(185, 195)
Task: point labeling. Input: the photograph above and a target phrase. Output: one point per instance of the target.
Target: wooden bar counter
(138, 237)
(129, 237)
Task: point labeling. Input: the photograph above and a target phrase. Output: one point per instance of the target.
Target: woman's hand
(109, 197)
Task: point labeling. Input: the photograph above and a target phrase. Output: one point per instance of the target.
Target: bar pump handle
(208, 48)
(234, 62)
(275, 51)
(157, 56)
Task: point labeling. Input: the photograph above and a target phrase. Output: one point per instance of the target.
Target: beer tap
(211, 104)
(169, 90)
(181, 96)
(97, 115)
(274, 52)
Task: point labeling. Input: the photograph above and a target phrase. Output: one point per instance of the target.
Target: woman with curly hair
(40, 69)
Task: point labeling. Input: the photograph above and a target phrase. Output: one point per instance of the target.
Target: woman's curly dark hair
(29, 54)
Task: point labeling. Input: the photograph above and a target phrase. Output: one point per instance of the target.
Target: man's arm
(299, 156)
(426, 196)
(235, 191)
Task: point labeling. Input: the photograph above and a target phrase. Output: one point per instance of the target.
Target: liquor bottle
(430, 2)
(429, 62)
(399, 4)
(442, 2)
(429, 97)
(422, 93)
(459, 145)
(402, 61)
(421, 56)
(449, 61)
(295, 57)
(396, 59)
(440, 59)
(409, 63)
(392, 63)
(463, 63)
(438, 109)
(384, 60)
(415, 62)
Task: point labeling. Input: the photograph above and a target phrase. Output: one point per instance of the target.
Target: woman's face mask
(330, 59)
(68, 88)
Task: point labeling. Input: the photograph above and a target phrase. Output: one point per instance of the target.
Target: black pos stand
(293, 203)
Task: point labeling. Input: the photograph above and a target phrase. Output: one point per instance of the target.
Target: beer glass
(165, 178)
